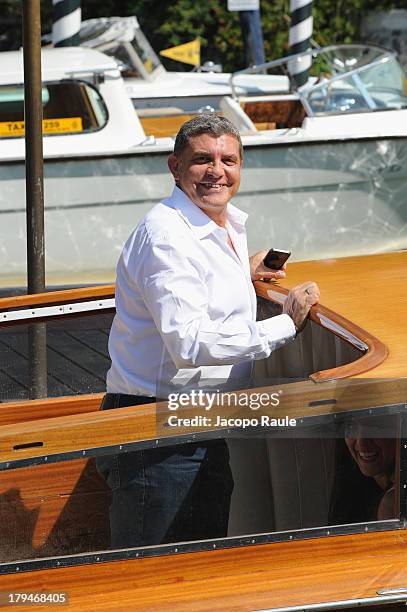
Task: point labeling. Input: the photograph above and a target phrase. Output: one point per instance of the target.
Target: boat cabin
(84, 104)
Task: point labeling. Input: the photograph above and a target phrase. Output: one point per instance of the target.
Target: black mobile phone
(276, 258)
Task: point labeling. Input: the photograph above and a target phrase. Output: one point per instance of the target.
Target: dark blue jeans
(170, 494)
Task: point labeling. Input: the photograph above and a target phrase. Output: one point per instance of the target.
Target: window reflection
(365, 476)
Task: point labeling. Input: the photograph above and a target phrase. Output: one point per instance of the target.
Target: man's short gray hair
(205, 124)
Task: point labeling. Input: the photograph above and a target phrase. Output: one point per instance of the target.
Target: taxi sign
(49, 126)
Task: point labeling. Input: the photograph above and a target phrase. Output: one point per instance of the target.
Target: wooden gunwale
(340, 326)
(56, 297)
(249, 578)
(335, 323)
(90, 430)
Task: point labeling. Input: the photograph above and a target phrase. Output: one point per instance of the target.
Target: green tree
(168, 23)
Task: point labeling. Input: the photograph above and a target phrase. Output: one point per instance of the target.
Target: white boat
(323, 176)
(152, 88)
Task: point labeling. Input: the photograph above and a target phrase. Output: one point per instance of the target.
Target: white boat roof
(56, 64)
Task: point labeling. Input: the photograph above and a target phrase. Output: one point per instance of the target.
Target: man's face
(208, 172)
(373, 454)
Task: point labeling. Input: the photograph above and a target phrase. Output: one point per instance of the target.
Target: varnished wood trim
(139, 423)
(32, 410)
(376, 351)
(258, 577)
(57, 297)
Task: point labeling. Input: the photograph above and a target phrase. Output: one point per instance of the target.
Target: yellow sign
(188, 53)
(49, 126)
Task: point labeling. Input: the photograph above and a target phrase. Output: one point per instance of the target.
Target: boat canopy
(57, 64)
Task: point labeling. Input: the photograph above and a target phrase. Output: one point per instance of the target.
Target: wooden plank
(62, 368)
(17, 365)
(90, 430)
(32, 410)
(14, 354)
(70, 348)
(57, 297)
(97, 342)
(249, 578)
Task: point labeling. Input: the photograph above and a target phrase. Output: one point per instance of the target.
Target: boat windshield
(145, 51)
(356, 79)
(347, 79)
(68, 107)
(122, 38)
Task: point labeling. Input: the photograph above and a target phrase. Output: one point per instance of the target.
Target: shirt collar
(196, 219)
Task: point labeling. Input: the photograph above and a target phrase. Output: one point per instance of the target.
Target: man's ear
(173, 164)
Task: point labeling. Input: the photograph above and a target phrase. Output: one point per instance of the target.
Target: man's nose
(215, 167)
(363, 444)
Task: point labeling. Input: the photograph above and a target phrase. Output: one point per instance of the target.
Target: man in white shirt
(186, 316)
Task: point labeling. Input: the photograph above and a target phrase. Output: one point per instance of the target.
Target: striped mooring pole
(66, 22)
(299, 39)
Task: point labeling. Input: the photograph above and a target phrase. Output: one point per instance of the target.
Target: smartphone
(276, 258)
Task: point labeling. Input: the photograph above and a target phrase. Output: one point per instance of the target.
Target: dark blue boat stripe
(64, 8)
(299, 47)
(300, 78)
(301, 14)
(71, 41)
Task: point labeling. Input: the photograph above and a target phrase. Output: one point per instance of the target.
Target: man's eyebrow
(208, 154)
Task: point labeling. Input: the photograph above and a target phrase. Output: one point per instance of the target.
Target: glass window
(145, 52)
(370, 81)
(68, 107)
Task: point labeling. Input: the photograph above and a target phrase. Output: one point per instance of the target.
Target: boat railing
(306, 90)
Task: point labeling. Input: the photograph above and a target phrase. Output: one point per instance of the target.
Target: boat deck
(77, 357)
(266, 577)
(370, 291)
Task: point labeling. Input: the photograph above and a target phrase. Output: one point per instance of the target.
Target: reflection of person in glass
(375, 456)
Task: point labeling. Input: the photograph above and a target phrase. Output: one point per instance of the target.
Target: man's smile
(367, 456)
(215, 186)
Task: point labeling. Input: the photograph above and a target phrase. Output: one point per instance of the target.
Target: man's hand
(258, 270)
(299, 301)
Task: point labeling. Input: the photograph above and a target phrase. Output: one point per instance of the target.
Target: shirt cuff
(278, 329)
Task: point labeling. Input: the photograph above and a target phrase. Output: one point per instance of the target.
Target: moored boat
(323, 172)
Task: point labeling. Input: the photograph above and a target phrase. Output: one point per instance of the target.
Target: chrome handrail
(387, 55)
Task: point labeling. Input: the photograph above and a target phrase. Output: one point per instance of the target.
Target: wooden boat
(351, 361)
(323, 175)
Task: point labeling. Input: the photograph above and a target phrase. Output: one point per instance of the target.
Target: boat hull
(324, 199)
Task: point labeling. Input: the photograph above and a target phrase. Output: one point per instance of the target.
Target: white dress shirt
(186, 305)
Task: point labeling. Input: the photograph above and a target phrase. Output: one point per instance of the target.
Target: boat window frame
(81, 81)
